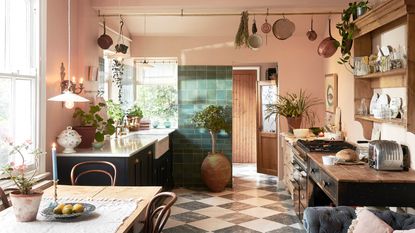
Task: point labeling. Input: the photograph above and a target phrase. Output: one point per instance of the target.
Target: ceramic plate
(48, 212)
(395, 106)
(373, 102)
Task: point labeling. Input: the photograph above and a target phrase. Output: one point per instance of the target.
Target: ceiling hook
(181, 14)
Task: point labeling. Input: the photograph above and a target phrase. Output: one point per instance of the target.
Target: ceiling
(207, 26)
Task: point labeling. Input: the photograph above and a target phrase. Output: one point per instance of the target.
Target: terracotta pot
(25, 207)
(216, 171)
(87, 135)
(294, 123)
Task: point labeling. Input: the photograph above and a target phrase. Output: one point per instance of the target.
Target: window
(156, 91)
(19, 46)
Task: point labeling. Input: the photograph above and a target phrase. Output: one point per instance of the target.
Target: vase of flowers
(24, 199)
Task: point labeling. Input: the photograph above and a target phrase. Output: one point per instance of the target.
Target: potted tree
(216, 168)
(93, 126)
(294, 107)
(25, 200)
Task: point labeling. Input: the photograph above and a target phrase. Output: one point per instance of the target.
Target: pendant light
(145, 64)
(67, 95)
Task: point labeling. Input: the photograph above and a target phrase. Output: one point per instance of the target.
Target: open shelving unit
(384, 17)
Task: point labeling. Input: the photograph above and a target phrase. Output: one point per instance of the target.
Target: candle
(73, 80)
(81, 81)
(54, 163)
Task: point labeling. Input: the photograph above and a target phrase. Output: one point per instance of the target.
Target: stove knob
(325, 184)
(314, 170)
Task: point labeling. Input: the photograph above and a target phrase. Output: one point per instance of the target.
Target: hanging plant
(117, 73)
(347, 30)
(242, 35)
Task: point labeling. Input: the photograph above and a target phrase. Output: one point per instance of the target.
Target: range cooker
(305, 193)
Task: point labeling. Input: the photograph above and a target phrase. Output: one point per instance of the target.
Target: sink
(161, 147)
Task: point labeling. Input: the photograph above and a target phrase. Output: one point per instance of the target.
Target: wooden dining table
(143, 193)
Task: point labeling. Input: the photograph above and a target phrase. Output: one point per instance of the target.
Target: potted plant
(347, 28)
(216, 168)
(135, 114)
(117, 75)
(25, 200)
(93, 126)
(114, 111)
(294, 107)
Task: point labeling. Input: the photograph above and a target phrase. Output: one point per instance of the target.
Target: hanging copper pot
(328, 46)
(104, 41)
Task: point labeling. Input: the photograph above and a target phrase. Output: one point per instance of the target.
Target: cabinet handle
(137, 161)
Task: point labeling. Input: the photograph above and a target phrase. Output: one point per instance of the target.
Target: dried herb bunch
(242, 35)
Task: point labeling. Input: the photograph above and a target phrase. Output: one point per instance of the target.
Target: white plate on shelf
(395, 105)
(373, 103)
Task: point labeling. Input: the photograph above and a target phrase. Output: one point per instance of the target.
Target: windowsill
(40, 179)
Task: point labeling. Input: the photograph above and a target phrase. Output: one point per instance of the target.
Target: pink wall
(353, 128)
(299, 64)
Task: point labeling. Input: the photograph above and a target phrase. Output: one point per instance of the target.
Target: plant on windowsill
(216, 168)
(25, 200)
(135, 114)
(93, 126)
(347, 29)
(294, 107)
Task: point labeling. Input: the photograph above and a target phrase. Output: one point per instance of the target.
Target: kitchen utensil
(373, 103)
(311, 34)
(386, 155)
(383, 100)
(254, 40)
(266, 28)
(283, 28)
(328, 46)
(104, 41)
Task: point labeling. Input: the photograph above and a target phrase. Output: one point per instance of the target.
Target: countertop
(361, 173)
(124, 146)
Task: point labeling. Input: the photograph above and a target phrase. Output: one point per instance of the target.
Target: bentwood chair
(158, 212)
(75, 178)
(3, 198)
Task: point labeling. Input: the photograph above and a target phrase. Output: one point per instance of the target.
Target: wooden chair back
(3, 198)
(113, 177)
(158, 212)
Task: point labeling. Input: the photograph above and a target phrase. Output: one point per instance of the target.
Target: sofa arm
(328, 219)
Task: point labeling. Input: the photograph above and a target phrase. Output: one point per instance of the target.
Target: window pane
(19, 39)
(24, 111)
(2, 35)
(5, 107)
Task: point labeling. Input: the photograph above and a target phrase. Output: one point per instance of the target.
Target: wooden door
(244, 116)
(267, 160)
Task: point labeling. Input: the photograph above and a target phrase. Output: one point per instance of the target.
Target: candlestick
(73, 80)
(81, 81)
(55, 187)
(54, 163)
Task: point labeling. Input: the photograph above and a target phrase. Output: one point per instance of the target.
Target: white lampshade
(68, 96)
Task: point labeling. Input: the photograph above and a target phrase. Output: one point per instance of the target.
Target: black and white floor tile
(254, 204)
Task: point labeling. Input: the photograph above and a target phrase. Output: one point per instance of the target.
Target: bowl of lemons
(67, 210)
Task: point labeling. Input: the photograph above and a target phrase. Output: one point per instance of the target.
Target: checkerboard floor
(254, 204)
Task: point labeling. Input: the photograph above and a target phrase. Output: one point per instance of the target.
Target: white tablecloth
(107, 218)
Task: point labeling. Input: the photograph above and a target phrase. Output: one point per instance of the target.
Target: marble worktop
(124, 146)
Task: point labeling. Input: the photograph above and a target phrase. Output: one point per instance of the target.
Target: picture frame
(331, 93)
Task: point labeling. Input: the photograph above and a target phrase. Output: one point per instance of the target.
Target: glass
(268, 96)
(24, 115)
(363, 107)
(5, 107)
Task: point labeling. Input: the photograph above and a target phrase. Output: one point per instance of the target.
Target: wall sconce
(69, 91)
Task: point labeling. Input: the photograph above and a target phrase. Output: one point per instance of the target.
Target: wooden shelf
(395, 72)
(395, 121)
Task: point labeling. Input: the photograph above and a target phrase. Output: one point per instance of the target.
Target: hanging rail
(182, 14)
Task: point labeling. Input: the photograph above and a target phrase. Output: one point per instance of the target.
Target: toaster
(386, 155)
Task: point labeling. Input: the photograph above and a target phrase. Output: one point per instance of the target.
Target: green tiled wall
(199, 86)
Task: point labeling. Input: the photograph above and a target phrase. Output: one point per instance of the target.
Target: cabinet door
(144, 167)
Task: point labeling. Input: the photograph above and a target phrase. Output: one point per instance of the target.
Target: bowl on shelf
(301, 133)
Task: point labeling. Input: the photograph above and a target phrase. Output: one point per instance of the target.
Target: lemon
(58, 209)
(68, 206)
(67, 211)
(78, 208)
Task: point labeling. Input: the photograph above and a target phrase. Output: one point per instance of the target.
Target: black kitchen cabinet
(163, 174)
(136, 170)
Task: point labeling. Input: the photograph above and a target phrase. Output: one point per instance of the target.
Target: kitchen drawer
(314, 171)
(328, 184)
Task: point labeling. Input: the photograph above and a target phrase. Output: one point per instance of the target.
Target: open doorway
(254, 138)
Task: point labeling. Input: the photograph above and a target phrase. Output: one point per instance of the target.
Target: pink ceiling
(211, 26)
